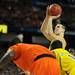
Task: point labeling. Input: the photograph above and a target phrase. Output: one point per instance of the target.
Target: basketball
(54, 10)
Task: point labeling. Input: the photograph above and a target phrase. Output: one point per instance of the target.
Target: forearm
(47, 25)
(3, 61)
(44, 24)
(50, 26)
(6, 58)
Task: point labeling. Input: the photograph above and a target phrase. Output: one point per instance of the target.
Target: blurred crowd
(22, 17)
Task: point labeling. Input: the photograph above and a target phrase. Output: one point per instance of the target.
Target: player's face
(59, 29)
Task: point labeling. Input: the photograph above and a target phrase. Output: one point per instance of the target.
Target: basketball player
(32, 59)
(49, 33)
(66, 59)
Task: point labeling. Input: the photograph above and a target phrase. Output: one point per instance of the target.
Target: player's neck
(61, 34)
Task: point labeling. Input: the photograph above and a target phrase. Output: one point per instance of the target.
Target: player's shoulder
(16, 45)
(60, 50)
(19, 44)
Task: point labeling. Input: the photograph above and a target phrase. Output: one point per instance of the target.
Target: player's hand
(55, 17)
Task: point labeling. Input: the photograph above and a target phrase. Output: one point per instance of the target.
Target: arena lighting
(3, 28)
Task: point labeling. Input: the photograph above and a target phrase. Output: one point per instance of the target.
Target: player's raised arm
(52, 12)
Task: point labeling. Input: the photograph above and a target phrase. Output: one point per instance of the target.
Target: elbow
(41, 30)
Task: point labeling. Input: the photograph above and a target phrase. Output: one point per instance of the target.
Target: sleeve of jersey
(17, 50)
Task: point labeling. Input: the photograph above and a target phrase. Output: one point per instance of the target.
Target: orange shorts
(45, 66)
